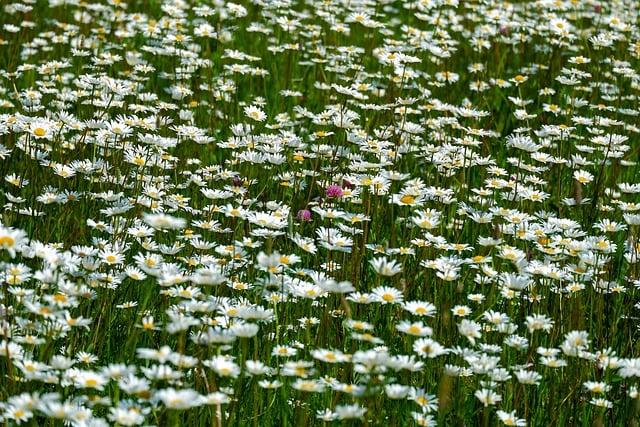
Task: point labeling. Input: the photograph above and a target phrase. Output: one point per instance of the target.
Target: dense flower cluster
(296, 213)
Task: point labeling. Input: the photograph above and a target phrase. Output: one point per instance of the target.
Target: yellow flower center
(407, 199)
(413, 329)
(421, 401)
(7, 241)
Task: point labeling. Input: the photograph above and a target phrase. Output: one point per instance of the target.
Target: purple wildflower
(304, 215)
(334, 191)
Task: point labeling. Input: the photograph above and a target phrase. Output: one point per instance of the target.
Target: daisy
(427, 347)
(387, 295)
(254, 112)
(385, 267)
(12, 240)
(41, 129)
(164, 221)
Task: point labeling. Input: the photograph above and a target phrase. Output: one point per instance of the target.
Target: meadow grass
(289, 213)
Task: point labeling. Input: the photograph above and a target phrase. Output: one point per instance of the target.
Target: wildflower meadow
(319, 212)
